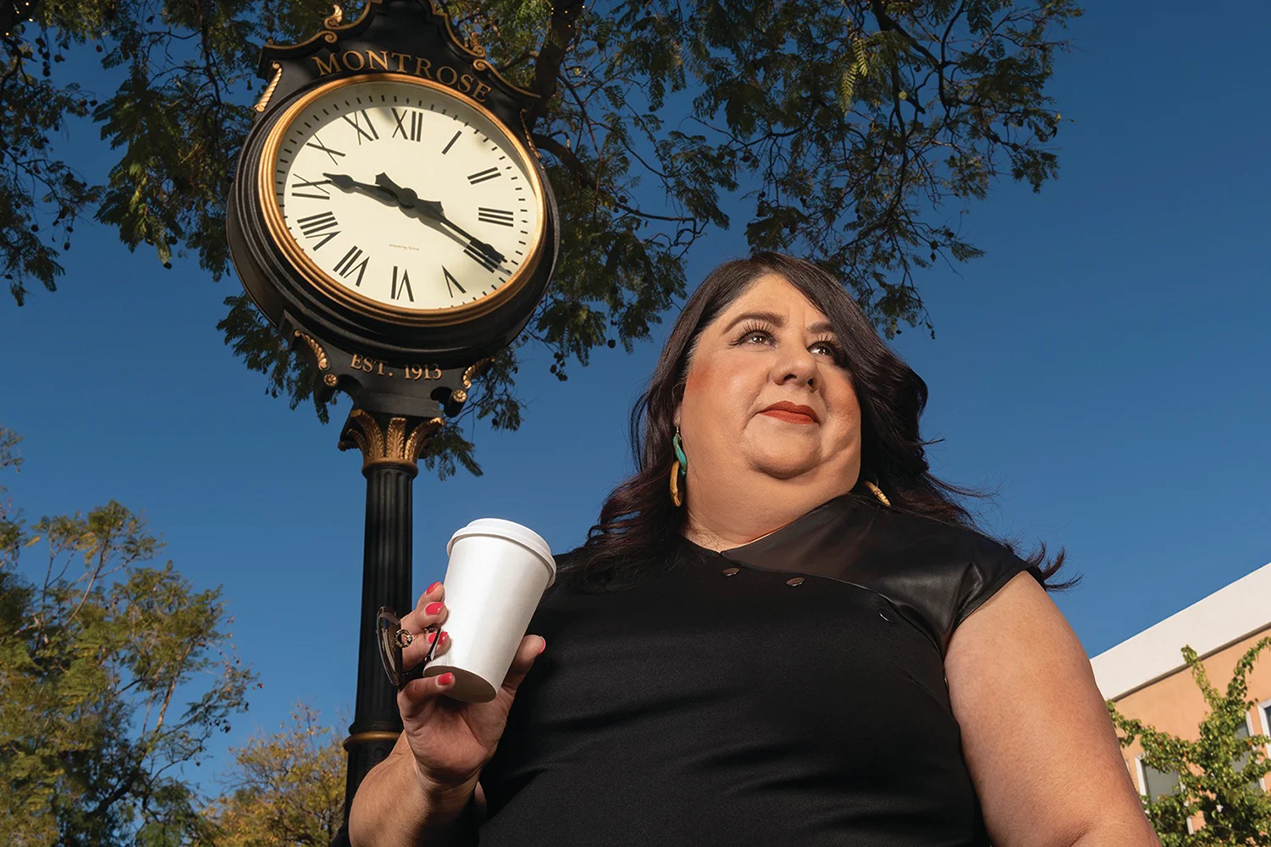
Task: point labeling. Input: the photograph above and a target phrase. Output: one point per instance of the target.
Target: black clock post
(391, 445)
(398, 300)
(390, 425)
(386, 577)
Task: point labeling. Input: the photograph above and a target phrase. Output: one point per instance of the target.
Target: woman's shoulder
(945, 570)
(943, 541)
(940, 536)
(570, 559)
(575, 572)
(567, 566)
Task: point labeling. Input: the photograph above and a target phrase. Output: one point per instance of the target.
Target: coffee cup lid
(512, 531)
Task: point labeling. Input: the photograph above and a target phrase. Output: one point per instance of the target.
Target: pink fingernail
(445, 679)
(542, 646)
(433, 587)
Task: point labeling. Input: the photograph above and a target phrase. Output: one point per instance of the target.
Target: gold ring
(405, 637)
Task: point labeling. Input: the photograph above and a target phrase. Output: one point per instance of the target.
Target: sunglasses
(392, 638)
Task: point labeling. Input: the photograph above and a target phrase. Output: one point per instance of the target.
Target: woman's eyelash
(836, 351)
(751, 329)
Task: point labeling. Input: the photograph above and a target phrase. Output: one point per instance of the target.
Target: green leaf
(655, 114)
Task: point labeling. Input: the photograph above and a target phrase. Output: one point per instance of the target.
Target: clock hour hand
(344, 182)
(408, 199)
(432, 209)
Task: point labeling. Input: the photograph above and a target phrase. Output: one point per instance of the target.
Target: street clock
(389, 214)
(388, 200)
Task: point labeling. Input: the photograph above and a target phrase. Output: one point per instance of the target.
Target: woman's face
(744, 362)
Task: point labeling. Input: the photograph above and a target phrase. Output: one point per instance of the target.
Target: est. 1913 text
(380, 368)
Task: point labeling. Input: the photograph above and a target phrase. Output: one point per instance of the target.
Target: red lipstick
(787, 411)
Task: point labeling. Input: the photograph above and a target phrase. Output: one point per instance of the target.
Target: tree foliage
(852, 133)
(284, 789)
(1218, 772)
(112, 673)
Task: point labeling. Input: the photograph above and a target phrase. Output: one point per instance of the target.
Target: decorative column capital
(388, 439)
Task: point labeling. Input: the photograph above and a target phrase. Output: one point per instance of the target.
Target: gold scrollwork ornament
(319, 354)
(269, 89)
(393, 445)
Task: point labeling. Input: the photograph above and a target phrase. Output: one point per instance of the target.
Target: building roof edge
(1230, 614)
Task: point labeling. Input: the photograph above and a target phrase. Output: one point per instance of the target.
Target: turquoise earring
(678, 467)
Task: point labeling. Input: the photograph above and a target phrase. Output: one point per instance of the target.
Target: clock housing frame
(402, 40)
(312, 273)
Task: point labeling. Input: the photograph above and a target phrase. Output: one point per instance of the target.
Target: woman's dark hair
(639, 525)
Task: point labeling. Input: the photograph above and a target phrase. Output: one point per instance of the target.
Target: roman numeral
(356, 122)
(405, 285)
(304, 183)
(482, 176)
(494, 216)
(313, 226)
(481, 258)
(450, 278)
(317, 142)
(416, 122)
(350, 263)
(451, 143)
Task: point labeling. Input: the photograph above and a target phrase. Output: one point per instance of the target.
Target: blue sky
(1104, 368)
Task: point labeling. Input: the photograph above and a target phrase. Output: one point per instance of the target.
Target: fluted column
(390, 446)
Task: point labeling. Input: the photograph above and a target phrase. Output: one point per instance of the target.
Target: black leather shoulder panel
(935, 574)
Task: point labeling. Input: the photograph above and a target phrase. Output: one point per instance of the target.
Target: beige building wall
(1147, 678)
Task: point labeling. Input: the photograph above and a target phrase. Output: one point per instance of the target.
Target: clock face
(403, 197)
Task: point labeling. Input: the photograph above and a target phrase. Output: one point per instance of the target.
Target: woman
(782, 631)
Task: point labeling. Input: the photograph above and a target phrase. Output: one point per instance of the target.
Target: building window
(1242, 760)
(1264, 717)
(1154, 783)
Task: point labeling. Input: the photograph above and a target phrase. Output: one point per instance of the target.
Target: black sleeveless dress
(787, 692)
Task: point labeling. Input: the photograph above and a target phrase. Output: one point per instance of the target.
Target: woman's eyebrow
(776, 320)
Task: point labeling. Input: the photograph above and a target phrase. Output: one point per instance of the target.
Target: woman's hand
(452, 740)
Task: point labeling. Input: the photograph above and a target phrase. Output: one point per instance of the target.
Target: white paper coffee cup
(497, 573)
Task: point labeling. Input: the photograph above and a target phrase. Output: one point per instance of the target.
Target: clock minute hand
(344, 182)
(431, 208)
(474, 241)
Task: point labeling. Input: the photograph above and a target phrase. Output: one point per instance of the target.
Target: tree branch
(560, 38)
(11, 18)
(570, 160)
(528, 54)
(887, 23)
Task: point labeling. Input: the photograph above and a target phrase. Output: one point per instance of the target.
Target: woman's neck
(723, 517)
